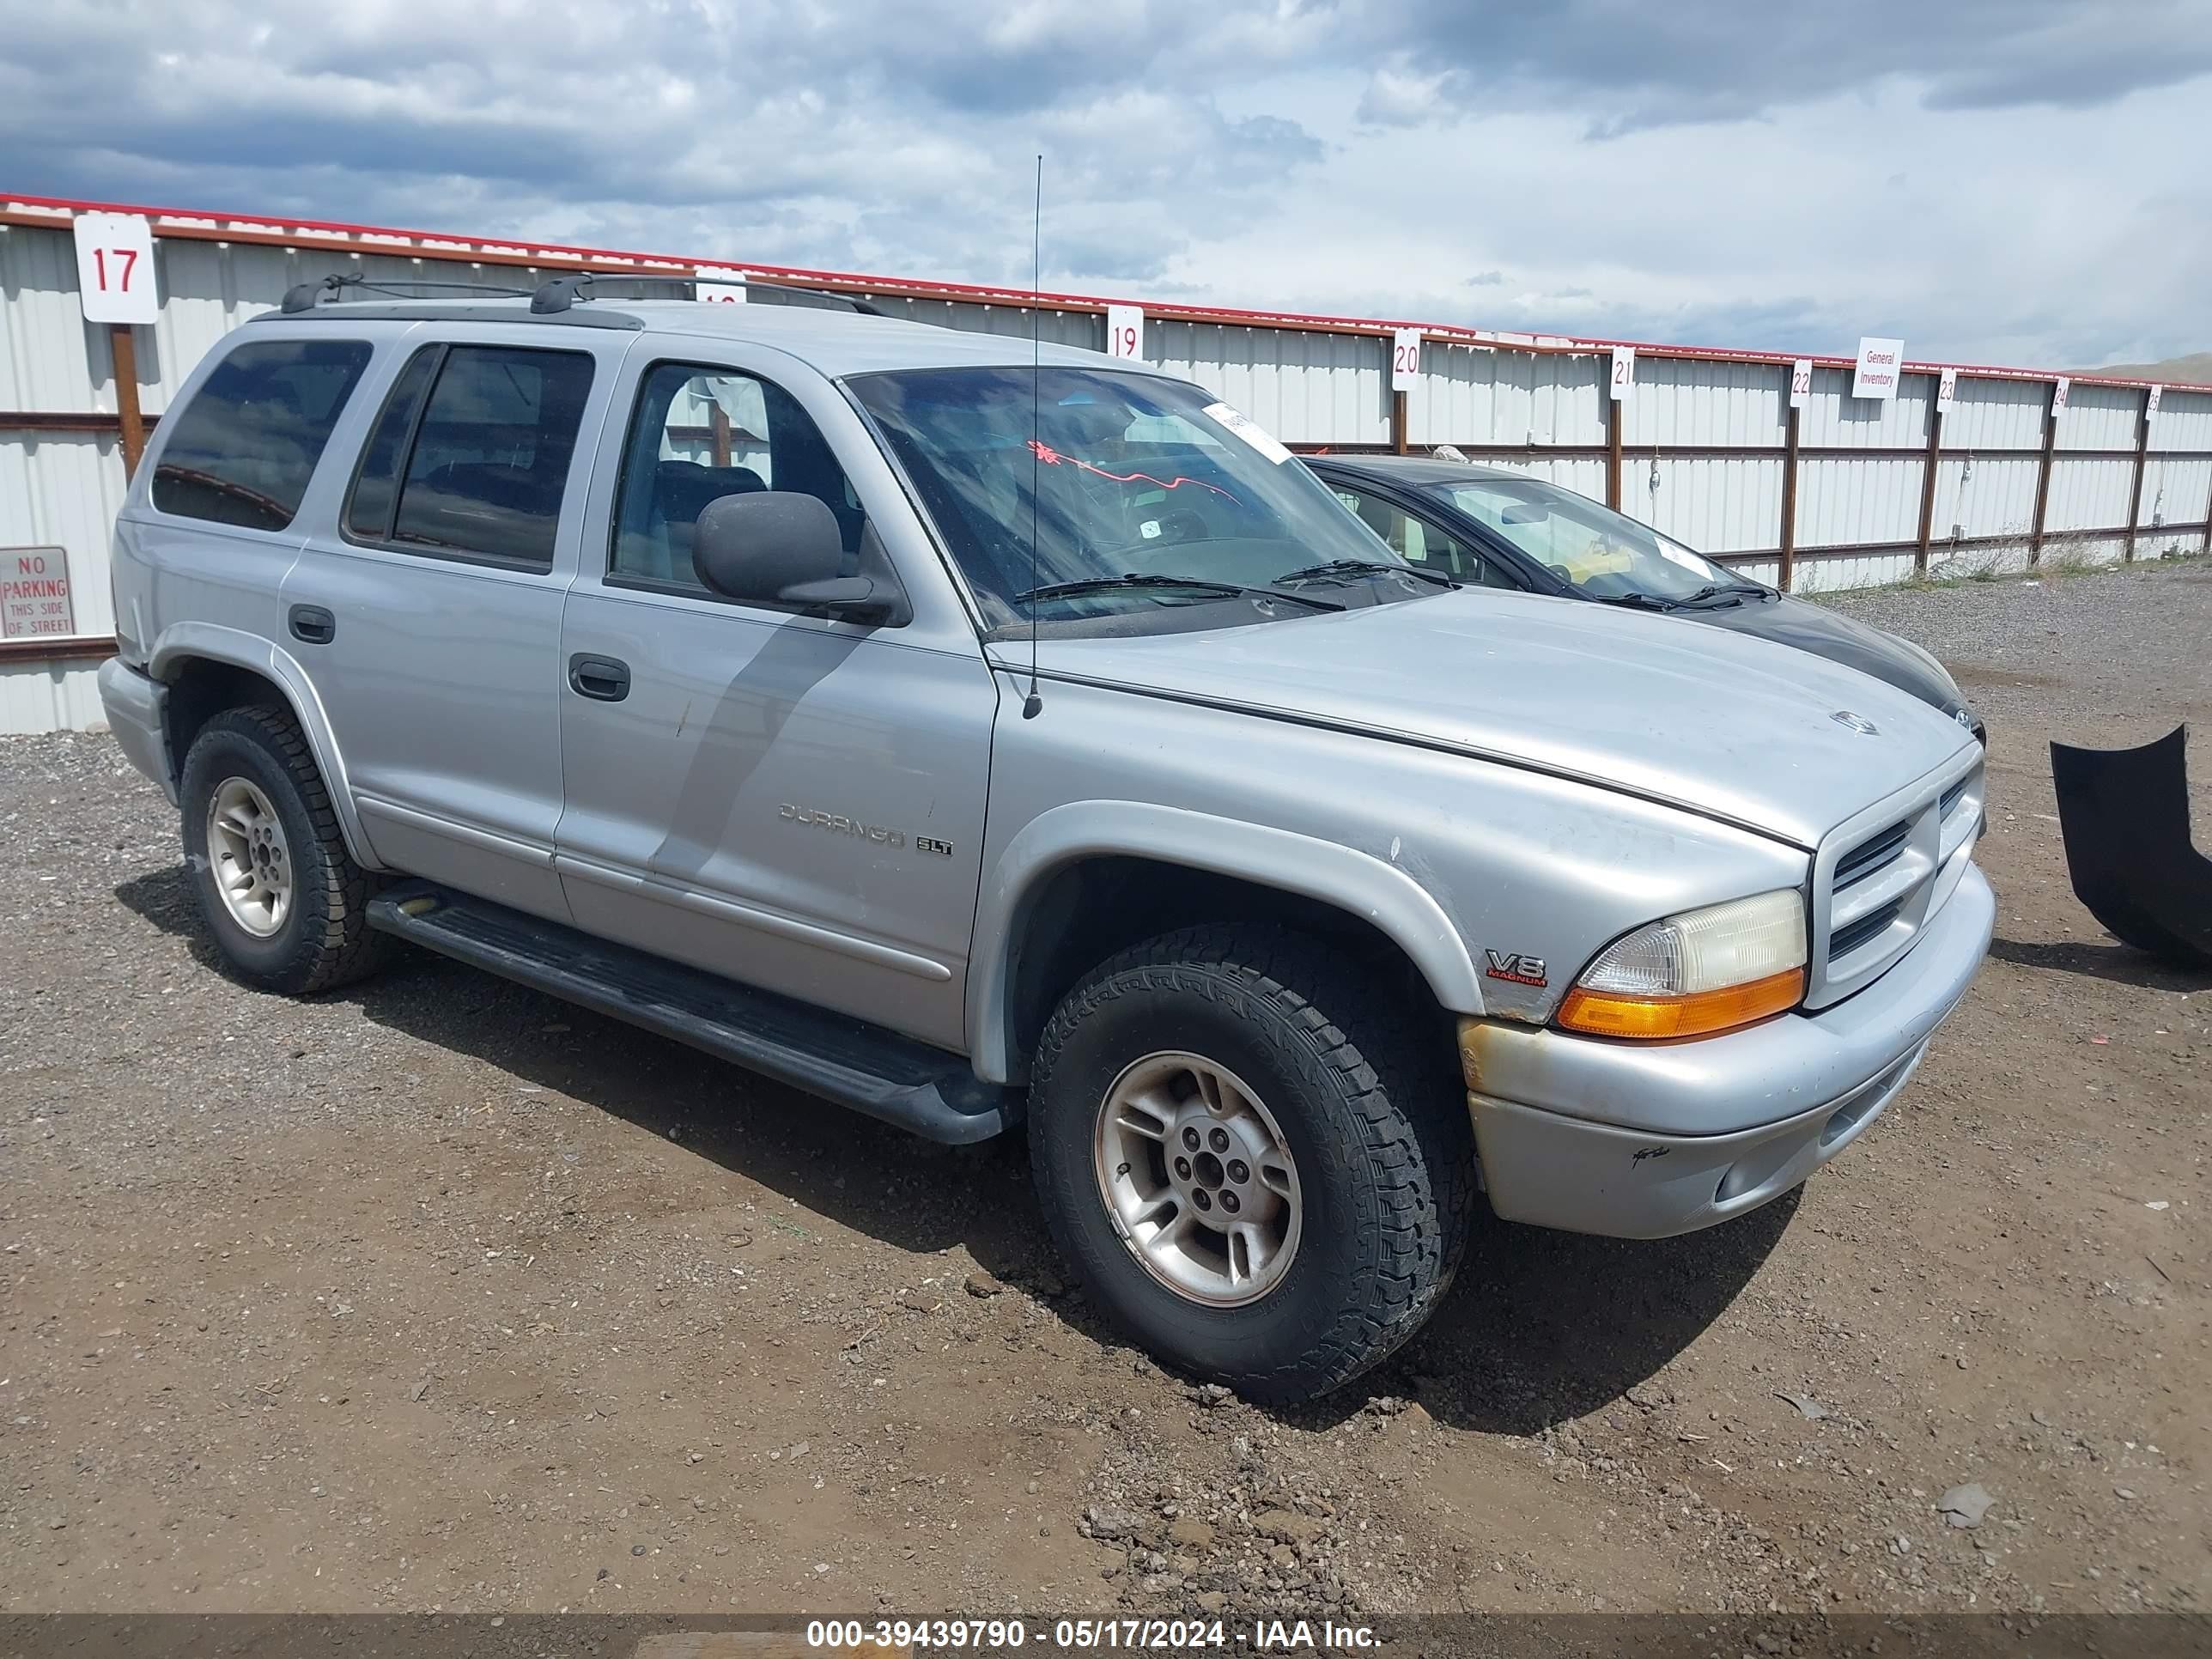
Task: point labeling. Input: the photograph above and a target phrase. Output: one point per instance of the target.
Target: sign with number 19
(1125, 331)
(115, 267)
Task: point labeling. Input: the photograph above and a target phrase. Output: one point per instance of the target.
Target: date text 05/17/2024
(1147, 1635)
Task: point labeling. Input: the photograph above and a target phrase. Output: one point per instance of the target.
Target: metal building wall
(1706, 447)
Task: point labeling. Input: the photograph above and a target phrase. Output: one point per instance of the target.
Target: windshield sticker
(1250, 431)
(1680, 556)
(1051, 456)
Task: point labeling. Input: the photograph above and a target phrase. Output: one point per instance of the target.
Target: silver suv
(982, 742)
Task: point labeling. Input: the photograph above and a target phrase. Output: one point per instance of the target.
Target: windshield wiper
(1345, 568)
(1639, 601)
(1188, 584)
(1712, 590)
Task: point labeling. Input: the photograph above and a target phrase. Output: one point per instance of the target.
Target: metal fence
(1815, 492)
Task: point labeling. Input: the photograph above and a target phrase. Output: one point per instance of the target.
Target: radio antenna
(1033, 705)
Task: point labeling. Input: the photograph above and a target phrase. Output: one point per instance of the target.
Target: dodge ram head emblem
(1858, 723)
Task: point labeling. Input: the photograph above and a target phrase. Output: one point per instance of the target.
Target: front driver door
(791, 802)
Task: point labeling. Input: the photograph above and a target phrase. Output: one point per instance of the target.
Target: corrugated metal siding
(1068, 328)
(1303, 386)
(49, 697)
(1761, 570)
(46, 348)
(1583, 474)
(2184, 421)
(2100, 417)
(1715, 505)
(2175, 492)
(1833, 418)
(1842, 501)
(1873, 570)
(1467, 395)
(1995, 414)
(63, 489)
(1985, 496)
(1679, 402)
(2089, 495)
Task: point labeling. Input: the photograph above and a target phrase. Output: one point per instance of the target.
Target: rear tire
(286, 904)
(1234, 1034)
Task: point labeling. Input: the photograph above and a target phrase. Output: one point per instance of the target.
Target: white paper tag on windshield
(1677, 554)
(1250, 431)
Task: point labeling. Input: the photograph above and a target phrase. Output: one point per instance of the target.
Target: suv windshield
(1126, 474)
(1604, 554)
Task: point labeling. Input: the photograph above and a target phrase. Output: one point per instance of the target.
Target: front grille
(1870, 856)
(1882, 875)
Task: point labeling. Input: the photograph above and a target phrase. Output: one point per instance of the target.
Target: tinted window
(242, 450)
(1420, 543)
(699, 435)
(368, 512)
(490, 457)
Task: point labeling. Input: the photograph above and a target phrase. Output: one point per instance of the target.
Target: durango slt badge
(841, 825)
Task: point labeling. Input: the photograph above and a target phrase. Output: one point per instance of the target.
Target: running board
(847, 1060)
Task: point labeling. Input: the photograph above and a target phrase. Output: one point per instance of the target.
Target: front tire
(286, 904)
(1258, 1162)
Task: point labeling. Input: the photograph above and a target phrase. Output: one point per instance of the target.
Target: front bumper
(1644, 1140)
(136, 705)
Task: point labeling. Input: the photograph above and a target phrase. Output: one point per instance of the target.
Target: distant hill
(2194, 370)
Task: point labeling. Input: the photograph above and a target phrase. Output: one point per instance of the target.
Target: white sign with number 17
(115, 267)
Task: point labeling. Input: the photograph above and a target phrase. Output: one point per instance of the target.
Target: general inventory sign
(34, 595)
(1875, 374)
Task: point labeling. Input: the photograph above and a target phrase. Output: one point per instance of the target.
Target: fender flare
(1342, 876)
(185, 639)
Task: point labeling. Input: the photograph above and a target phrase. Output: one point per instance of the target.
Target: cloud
(1787, 177)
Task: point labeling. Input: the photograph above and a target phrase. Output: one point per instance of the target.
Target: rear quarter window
(242, 450)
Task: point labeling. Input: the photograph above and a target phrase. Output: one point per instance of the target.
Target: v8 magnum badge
(1514, 966)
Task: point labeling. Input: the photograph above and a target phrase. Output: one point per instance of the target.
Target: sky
(1998, 181)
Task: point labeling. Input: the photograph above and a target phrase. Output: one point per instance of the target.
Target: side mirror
(781, 547)
(754, 546)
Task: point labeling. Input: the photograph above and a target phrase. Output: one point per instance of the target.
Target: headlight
(1703, 971)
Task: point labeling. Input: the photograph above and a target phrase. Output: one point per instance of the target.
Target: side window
(698, 434)
(242, 451)
(471, 453)
(1418, 541)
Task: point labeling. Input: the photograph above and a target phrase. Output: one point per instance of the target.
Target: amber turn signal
(1699, 1013)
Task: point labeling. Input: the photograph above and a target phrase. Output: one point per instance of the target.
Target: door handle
(312, 624)
(600, 678)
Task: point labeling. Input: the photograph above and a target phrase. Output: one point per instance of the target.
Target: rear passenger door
(428, 618)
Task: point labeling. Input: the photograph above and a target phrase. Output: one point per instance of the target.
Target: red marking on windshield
(1051, 456)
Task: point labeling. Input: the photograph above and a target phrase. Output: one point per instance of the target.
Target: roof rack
(562, 292)
(304, 296)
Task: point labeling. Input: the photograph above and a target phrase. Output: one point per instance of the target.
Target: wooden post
(1612, 425)
(2134, 492)
(718, 424)
(2042, 477)
(1928, 486)
(125, 350)
(1397, 422)
(1785, 573)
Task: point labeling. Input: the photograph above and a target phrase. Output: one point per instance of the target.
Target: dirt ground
(439, 1294)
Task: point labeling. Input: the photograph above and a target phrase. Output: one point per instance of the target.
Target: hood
(1724, 724)
(1826, 632)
